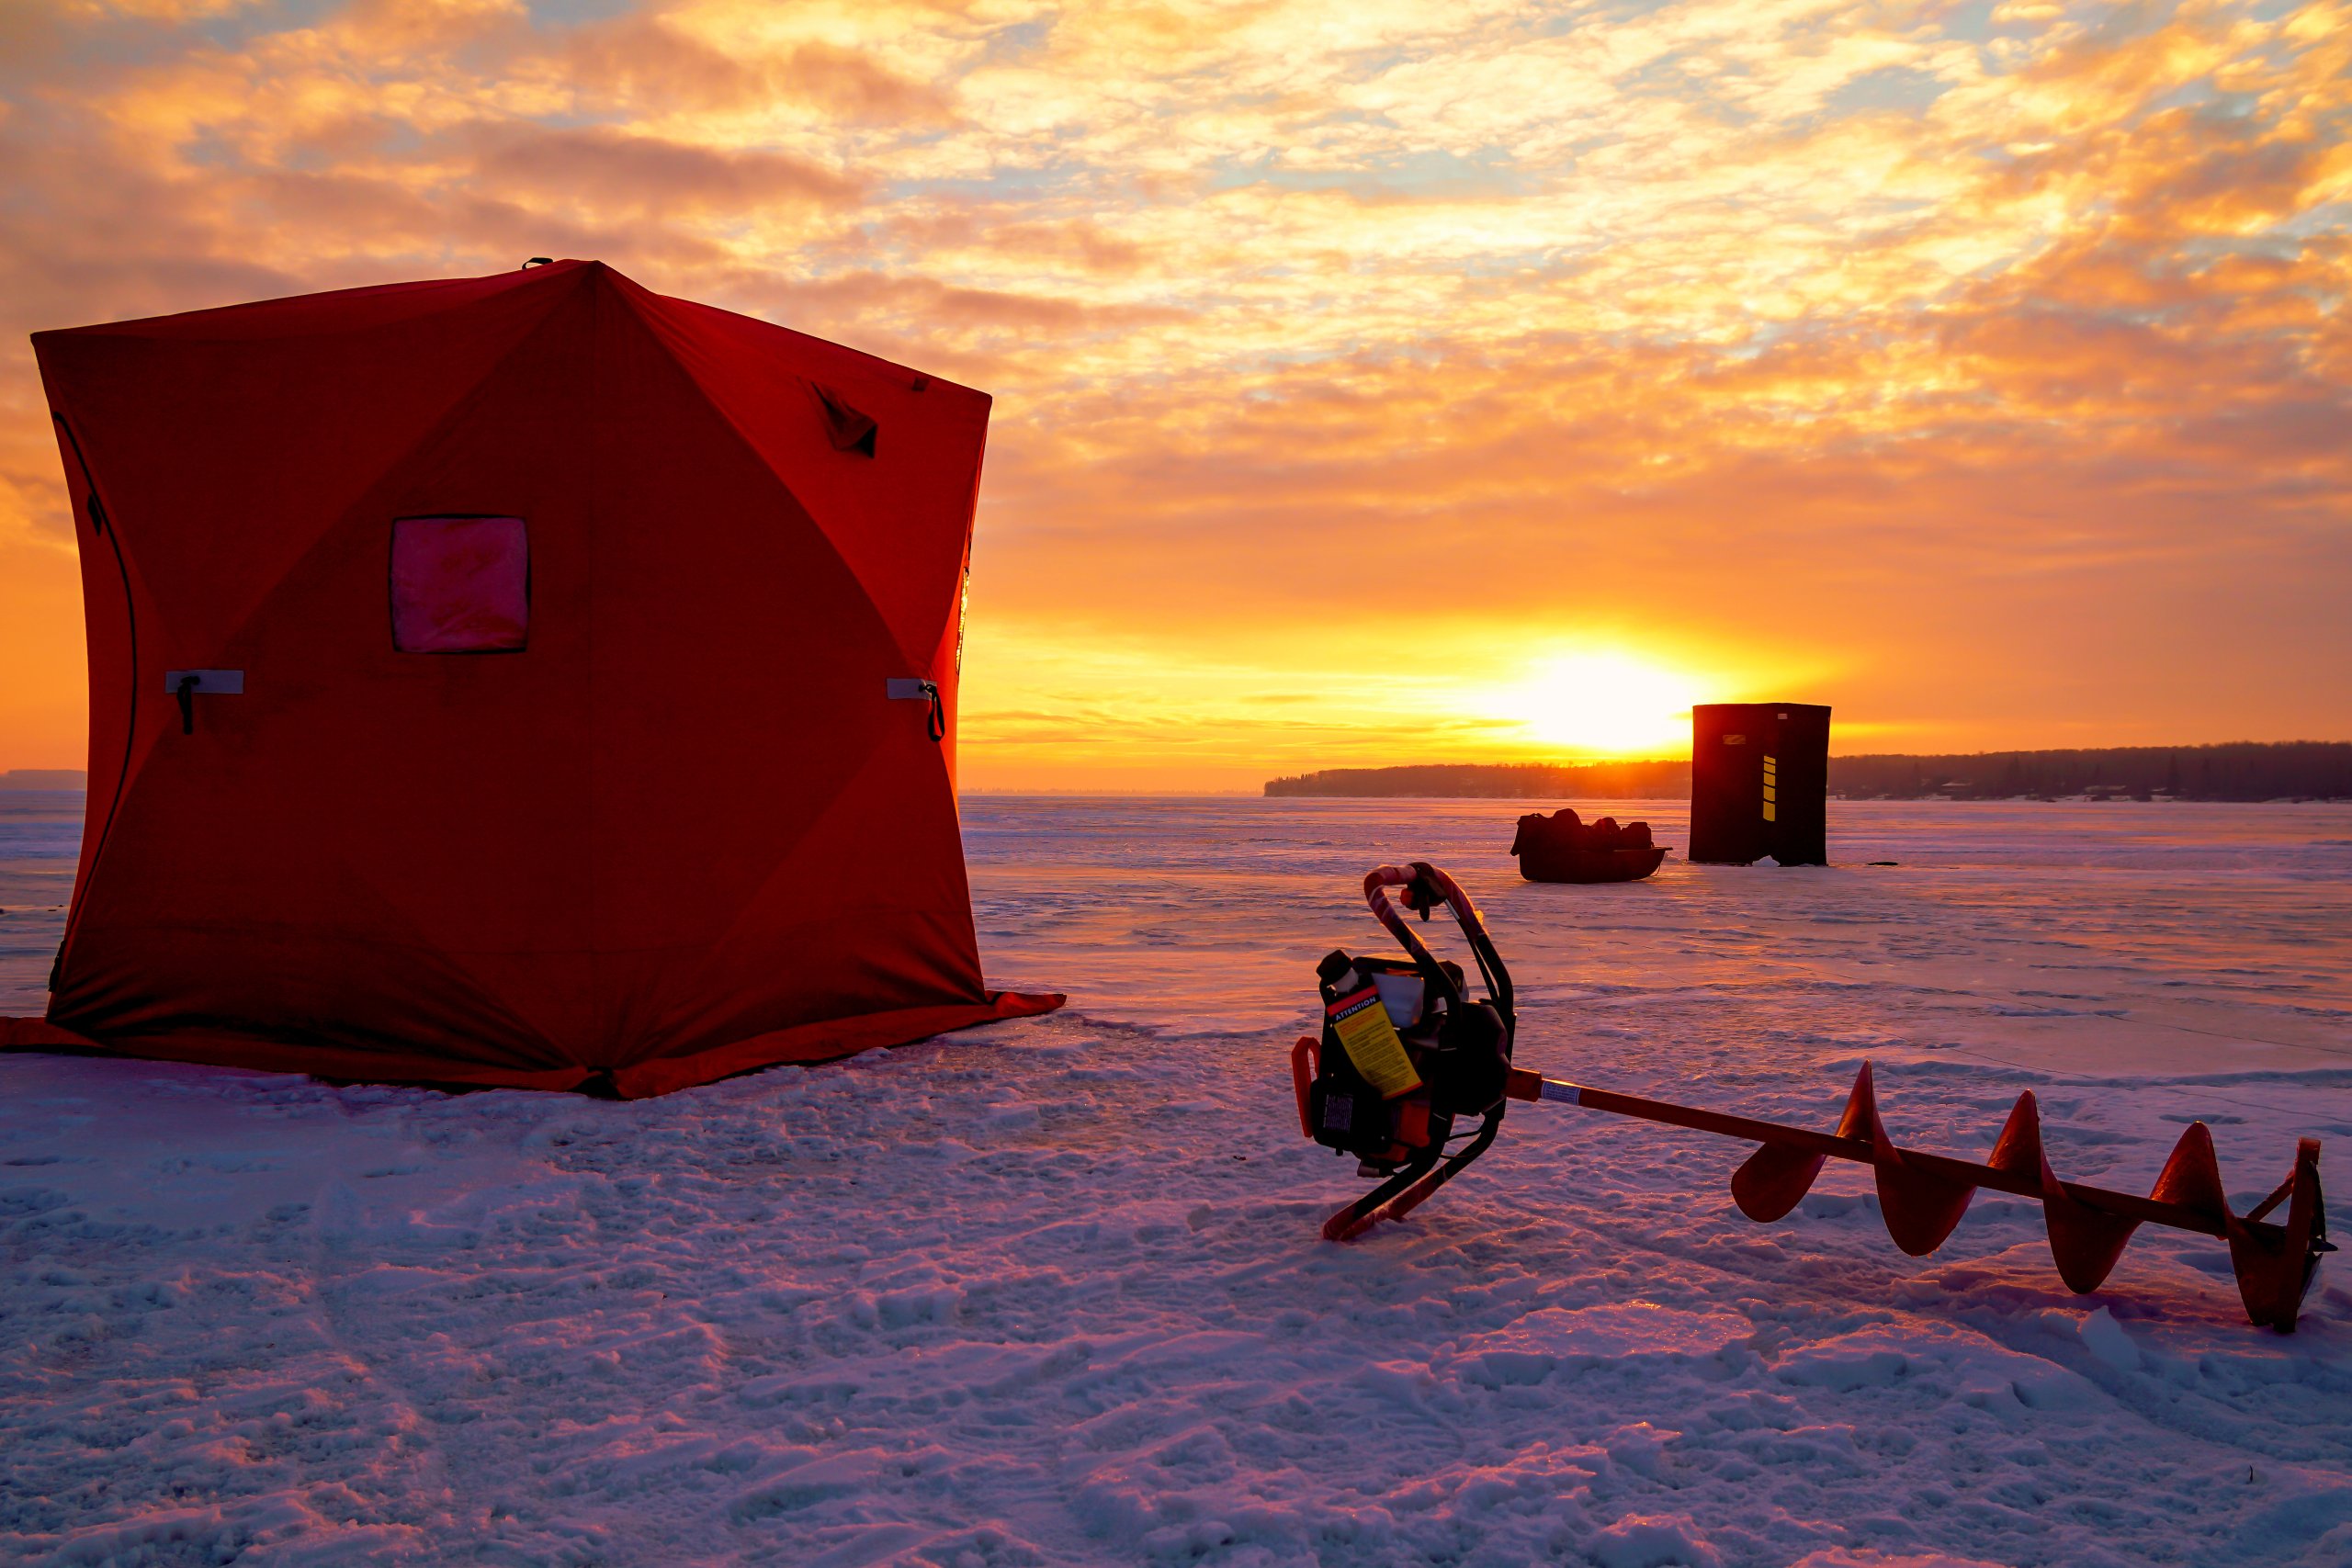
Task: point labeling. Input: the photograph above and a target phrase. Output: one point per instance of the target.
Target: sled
(1560, 847)
(1548, 863)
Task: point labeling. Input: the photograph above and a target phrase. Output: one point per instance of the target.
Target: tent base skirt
(826, 1041)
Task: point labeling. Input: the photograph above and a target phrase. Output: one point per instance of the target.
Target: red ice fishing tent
(527, 680)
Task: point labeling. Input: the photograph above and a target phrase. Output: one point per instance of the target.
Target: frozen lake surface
(1052, 1293)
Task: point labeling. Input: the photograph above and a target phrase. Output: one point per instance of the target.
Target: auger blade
(1773, 1181)
(1921, 1207)
(2192, 1177)
(2084, 1242)
(2276, 1267)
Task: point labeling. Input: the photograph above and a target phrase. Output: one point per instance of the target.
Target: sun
(1608, 704)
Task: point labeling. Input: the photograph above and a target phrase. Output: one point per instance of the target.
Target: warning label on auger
(1363, 1026)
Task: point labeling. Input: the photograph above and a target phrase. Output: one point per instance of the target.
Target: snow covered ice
(1052, 1293)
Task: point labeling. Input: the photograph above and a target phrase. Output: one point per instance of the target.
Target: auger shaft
(1922, 1196)
(2125, 1205)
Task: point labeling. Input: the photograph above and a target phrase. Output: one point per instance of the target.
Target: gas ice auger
(1410, 1066)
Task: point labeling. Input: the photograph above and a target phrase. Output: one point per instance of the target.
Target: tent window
(460, 586)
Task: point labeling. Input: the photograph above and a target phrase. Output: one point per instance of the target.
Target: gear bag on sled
(1407, 1057)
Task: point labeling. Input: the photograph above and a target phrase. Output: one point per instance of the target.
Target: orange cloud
(1983, 373)
(611, 172)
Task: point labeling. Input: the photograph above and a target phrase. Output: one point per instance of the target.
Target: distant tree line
(2294, 770)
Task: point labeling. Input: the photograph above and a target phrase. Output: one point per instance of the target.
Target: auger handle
(1429, 880)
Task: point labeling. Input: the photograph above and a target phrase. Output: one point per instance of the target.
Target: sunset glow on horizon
(1375, 382)
(1606, 704)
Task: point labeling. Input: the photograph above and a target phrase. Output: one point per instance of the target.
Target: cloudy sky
(1376, 380)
